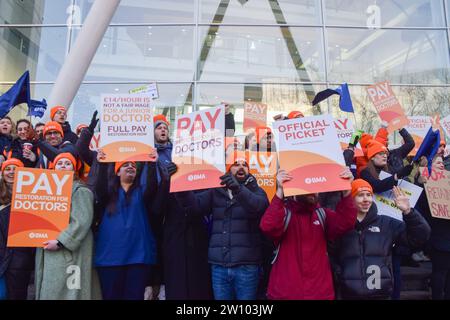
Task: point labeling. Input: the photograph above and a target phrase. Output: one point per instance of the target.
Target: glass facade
(202, 52)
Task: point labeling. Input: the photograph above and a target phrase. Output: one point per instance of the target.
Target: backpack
(321, 214)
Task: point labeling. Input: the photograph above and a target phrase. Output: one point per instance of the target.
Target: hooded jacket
(364, 254)
(302, 269)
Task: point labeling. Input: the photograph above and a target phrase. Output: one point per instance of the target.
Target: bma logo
(194, 177)
(35, 235)
(315, 180)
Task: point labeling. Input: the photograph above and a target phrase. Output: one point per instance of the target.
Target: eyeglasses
(53, 133)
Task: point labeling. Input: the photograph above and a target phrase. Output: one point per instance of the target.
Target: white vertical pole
(80, 56)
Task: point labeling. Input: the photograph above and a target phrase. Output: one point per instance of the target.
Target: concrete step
(414, 279)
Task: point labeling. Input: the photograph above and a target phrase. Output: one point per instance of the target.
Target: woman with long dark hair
(23, 146)
(16, 264)
(126, 246)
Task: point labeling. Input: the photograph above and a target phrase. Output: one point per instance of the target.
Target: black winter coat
(16, 264)
(185, 254)
(69, 135)
(365, 253)
(48, 153)
(15, 150)
(235, 236)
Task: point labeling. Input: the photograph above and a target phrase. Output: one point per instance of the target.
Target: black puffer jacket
(364, 254)
(235, 235)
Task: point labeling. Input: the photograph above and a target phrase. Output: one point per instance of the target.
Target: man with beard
(162, 141)
(301, 268)
(52, 143)
(235, 245)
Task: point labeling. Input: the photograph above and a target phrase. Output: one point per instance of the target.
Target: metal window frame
(197, 24)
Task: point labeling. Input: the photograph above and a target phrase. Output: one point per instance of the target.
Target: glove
(405, 171)
(94, 122)
(171, 168)
(230, 182)
(355, 138)
(348, 156)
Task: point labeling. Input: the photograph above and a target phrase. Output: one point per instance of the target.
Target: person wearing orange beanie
(120, 164)
(16, 264)
(367, 249)
(52, 143)
(12, 162)
(59, 114)
(378, 161)
(295, 114)
(75, 241)
(76, 164)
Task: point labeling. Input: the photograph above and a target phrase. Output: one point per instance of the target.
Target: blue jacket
(125, 236)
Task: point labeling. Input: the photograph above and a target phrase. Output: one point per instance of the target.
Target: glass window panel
(35, 12)
(304, 12)
(154, 11)
(447, 5)
(173, 98)
(261, 54)
(385, 13)
(400, 56)
(41, 50)
(280, 98)
(131, 53)
(416, 100)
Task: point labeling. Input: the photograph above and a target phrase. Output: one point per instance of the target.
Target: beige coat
(68, 273)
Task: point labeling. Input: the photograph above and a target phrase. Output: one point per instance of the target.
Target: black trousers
(440, 277)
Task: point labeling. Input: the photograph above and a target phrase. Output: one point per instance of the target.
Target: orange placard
(255, 115)
(309, 150)
(263, 166)
(199, 150)
(126, 129)
(40, 207)
(387, 106)
(437, 189)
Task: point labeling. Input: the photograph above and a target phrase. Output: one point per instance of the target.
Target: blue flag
(429, 147)
(345, 101)
(37, 108)
(17, 94)
(20, 93)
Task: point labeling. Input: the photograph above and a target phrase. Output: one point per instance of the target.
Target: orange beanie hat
(295, 114)
(119, 164)
(375, 147)
(12, 161)
(360, 185)
(53, 126)
(76, 164)
(364, 140)
(55, 109)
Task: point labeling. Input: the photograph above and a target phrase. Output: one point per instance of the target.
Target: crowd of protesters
(130, 238)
